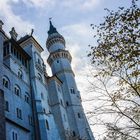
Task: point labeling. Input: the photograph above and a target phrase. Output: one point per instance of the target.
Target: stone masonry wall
(2, 117)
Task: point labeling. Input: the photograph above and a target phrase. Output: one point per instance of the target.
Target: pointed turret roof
(52, 29)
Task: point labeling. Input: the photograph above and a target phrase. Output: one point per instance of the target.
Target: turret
(60, 62)
(55, 41)
(59, 58)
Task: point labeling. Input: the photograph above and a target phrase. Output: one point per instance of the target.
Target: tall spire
(52, 28)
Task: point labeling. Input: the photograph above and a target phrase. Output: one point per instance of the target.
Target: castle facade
(33, 105)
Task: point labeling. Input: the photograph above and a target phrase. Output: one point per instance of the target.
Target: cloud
(12, 20)
(88, 4)
(37, 3)
(81, 4)
(77, 37)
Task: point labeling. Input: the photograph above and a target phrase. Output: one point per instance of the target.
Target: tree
(116, 58)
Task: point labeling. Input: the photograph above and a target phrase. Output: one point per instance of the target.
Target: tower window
(40, 77)
(59, 88)
(72, 90)
(64, 117)
(39, 61)
(20, 75)
(42, 96)
(47, 125)
(44, 111)
(79, 115)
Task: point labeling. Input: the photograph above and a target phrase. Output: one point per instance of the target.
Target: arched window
(17, 90)
(20, 74)
(40, 77)
(47, 124)
(6, 82)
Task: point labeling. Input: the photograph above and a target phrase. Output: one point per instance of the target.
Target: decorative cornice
(54, 38)
(59, 54)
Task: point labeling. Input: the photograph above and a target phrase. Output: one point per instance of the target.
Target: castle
(33, 105)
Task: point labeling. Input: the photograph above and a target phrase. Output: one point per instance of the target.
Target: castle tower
(60, 63)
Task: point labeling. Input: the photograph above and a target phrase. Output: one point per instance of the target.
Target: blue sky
(72, 18)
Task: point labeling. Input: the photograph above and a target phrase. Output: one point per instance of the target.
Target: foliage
(117, 60)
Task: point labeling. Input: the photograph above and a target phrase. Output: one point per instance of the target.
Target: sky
(72, 18)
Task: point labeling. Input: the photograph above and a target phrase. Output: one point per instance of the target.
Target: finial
(50, 18)
(1, 23)
(52, 28)
(32, 31)
(13, 33)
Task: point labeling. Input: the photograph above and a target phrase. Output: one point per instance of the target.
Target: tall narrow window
(7, 106)
(79, 115)
(19, 113)
(27, 99)
(74, 134)
(72, 90)
(47, 125)
(5, 82)
(14, 135)
(39, 62)
(40, 77)
(59, 88)
(30, 120)
(61, 101)
(67, 103)
(17, 90)
(44, 110)
(42, 96)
